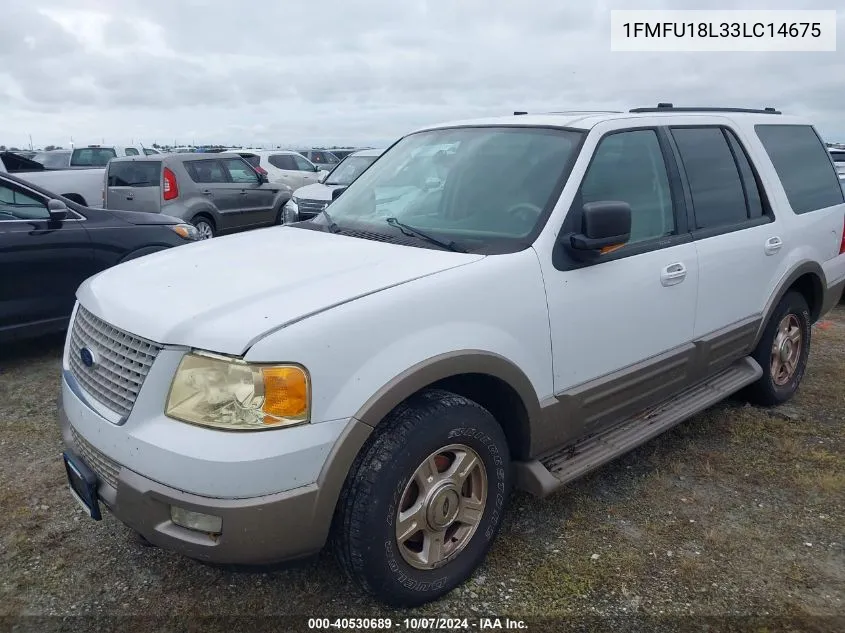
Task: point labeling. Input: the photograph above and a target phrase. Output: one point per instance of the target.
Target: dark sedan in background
(49, 245)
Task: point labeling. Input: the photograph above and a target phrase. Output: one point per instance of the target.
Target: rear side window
(137, 173)
(206, 171)
(838, 157)
(150, 152)
(92, 157)
(131, 151)
(282, 161)
(803, 166)
(718, 197)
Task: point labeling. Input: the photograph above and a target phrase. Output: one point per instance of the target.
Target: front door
(310, 172)
(622, 327)
(255, 202)
(42, 262)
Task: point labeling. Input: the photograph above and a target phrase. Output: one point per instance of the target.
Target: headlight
(186, 231)
(232, 394)
(295, 200)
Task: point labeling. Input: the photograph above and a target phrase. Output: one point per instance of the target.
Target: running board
(544, 476)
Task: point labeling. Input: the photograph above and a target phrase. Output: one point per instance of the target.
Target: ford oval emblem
(88, 357)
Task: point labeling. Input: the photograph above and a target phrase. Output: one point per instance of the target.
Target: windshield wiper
(332, 225)
(410, 230)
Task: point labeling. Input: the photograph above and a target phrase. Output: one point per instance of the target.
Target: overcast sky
(361, 71)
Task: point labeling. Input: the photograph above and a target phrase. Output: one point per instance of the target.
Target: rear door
(736, 234)
(42, 262)
(255, 202)
(310, 173)
(134, 185)
(213, 184)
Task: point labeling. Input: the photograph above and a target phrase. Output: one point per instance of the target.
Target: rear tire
(408, 543)
(204, 226)
(782, 352)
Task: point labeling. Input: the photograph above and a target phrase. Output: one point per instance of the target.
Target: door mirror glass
(323, 176)
(58, 210)
(605, 224)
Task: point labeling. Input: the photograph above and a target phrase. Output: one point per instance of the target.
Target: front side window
(803, 166)
(205, 171)
(487, 189)
(240, 171)
(718, 198)
(629, 167)
(302, 163)
(92, 157)
(349, 169)
(17, 205)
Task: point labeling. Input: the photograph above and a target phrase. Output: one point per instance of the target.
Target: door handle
(243, 192)
(773, 245)
(673, 274)
(207, 192)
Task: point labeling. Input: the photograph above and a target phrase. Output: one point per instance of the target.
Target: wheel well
(501, 400)
(810, 286)
(206, 216)
(75, 197)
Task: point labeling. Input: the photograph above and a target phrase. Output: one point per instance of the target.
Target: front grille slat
(124, 360)
(105, 468)
(310, 208)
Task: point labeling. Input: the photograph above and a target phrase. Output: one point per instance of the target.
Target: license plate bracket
(83, 484)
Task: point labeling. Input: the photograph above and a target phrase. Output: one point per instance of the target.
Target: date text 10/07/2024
(418, 624)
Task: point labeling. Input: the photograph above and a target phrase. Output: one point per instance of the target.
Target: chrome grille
(123, 361)
(310, 208)
(105, 468)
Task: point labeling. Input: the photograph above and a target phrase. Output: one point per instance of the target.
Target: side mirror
(336, 193)
(323, 176)
(605, 224)
(263, 179)
(317, 168)
(58, 210)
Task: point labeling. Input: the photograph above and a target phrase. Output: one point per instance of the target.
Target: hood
(316, 191)
(223, 294)
(139, 218)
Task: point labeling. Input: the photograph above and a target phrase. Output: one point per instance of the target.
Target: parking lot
(738, 511)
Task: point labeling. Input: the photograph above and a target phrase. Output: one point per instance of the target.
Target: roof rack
(668, 107)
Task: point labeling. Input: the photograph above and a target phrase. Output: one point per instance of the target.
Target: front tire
(424, 500)
(782, 352)
(204, 226)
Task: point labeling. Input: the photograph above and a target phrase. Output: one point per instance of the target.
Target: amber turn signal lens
(285, 393)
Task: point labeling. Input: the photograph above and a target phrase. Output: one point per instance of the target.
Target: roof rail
(668, 107)
(575, 112)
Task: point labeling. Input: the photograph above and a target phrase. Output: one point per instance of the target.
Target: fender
(444, 366)
(820, 287)
(140, 252)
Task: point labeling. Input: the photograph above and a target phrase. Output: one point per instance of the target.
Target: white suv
(574, 285)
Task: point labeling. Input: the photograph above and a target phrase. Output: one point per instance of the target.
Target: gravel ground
(735, 520)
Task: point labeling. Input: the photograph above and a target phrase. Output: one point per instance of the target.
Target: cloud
(358, 71)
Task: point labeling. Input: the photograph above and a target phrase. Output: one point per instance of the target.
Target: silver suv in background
(324, 159)
(217, 193)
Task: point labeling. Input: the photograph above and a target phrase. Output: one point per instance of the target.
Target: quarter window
(131, 151)
(629, 167)
(803, 166)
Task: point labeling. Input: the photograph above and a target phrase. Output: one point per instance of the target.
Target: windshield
(487, 189)
(53, 160)
(349, 169)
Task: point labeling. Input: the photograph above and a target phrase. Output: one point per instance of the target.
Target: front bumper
(257, 530)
